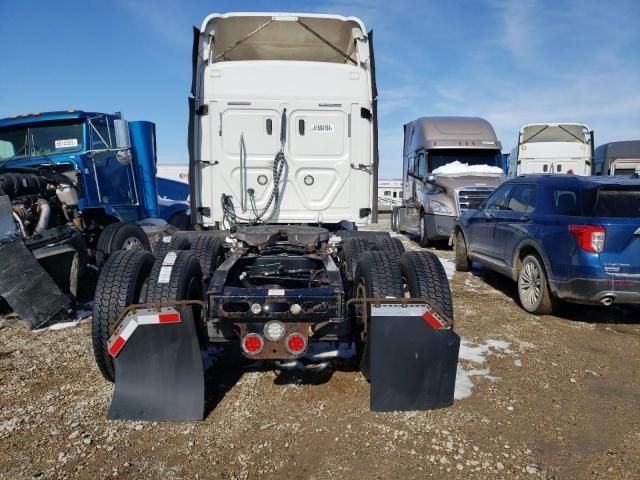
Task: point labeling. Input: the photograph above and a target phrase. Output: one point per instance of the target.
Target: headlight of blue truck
(440, 208)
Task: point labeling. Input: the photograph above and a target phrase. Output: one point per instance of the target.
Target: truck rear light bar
(590, 238)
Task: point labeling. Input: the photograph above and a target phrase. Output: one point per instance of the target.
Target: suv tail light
(589, 237)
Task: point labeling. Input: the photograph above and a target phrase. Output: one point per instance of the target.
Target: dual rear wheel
(379, 274)
(137, 276)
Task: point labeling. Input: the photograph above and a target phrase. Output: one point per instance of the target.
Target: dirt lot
(550, 397)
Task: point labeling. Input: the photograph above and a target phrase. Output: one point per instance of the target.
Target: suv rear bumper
(592, 290)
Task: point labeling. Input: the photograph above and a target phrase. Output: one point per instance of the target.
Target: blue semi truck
(74, 187)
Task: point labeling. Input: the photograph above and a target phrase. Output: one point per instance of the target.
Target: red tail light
(589, 237)
(252, 343)
(296, 343)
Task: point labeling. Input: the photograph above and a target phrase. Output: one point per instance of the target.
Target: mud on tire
(119, 285)
(425, 277)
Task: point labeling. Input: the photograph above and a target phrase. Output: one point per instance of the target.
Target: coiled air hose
(267, 213)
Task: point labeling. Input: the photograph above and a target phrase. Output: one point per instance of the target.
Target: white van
(283, 120)
(553, 148)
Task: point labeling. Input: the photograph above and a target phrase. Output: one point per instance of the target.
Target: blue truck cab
(118, 179)
(74, 186)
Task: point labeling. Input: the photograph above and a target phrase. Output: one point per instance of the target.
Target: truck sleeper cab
(617, 158)
(553, 148)
(285, 133)
(450, 164)
(283, 121)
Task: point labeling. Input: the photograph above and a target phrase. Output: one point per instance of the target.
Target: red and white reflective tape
(424, 310)
(147, 316)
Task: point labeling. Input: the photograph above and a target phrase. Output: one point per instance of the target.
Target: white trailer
(553, 148)
(178, 172)
(283, 120)
(389, 194)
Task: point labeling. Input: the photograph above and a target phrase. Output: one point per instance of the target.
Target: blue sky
(512, 62)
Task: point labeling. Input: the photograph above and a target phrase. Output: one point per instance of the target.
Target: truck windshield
(38, 140)
(440, 158)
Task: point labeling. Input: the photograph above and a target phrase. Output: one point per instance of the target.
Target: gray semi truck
(450, 164)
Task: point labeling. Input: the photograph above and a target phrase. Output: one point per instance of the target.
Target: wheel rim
(132, 243)
(530, 284)
(421, 228)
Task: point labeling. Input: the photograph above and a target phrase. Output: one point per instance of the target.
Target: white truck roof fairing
(290, 36)
(554, 147)
(548, 132)
(307, 79)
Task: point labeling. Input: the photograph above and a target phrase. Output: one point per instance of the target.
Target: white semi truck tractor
(282, 139)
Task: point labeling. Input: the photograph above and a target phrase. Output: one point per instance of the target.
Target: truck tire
(180, 220)
(463, 263)
(533, 287)
(103, 241)
(210, 253)
(184, 282)
(423, 235)
(394, 220)
(425, 277)
(377, 275)
(120, 236)
(352, 250)
(179, 286)
(391, 245)
(169, 242)
(119, 285)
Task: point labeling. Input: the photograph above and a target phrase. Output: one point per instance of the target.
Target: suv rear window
(566, 201)
(617, 203)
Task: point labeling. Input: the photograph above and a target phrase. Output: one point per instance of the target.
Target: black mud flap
(413, 359)
(27, 287)
(159, 374)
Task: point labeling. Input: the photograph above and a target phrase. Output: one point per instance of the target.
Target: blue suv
(561, 237)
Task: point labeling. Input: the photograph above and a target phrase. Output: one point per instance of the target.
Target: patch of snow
(319, 351)
(517, 362)
(62, 325)
(464, 385)
(449, 266)
(471, 286)
(476, 353)
(459, 168)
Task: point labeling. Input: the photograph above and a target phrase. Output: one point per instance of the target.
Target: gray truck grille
(467, 196)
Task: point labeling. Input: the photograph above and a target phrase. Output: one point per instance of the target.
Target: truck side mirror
(121, 129)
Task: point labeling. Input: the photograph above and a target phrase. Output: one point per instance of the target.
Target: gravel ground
(539, 397)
